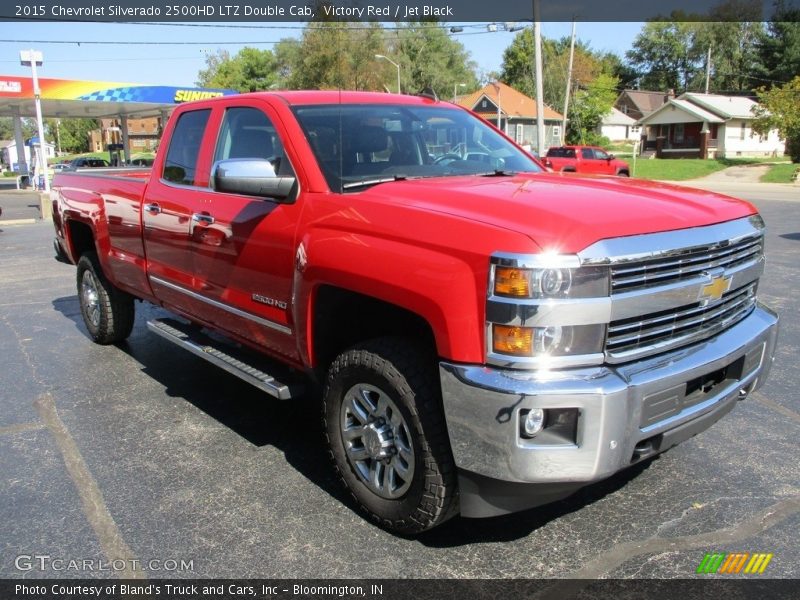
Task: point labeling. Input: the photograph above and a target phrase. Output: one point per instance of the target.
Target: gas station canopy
(64, 98)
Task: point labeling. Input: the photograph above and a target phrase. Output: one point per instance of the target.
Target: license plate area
(670, 402)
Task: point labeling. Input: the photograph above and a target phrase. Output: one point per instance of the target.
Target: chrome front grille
(684, 264)
(660, 331)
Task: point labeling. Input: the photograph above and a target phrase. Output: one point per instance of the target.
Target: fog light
(533, 422)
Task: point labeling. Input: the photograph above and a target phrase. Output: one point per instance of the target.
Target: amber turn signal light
(512, 282)
(514, 341)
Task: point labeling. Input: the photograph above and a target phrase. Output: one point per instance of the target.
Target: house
(515, 112)
(637, 104)
(618, 127)
(143, 134)
(697, 125)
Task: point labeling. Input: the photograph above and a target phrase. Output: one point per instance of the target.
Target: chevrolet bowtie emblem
(715, 288)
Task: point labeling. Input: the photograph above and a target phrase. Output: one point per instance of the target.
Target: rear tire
(107, 312)
(387, 437)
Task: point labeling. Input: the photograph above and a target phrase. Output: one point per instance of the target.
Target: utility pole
(537, 41)
(708, 68)
(569, 85)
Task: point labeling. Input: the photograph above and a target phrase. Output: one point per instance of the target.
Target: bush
(793, 148)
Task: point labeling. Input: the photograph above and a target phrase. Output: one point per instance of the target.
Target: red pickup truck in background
(585, 159)
(488, 336)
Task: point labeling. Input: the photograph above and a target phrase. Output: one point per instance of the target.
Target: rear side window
(587, 153)
(184, 147)
(561, 152)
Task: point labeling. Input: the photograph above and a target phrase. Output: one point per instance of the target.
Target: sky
(173, 55)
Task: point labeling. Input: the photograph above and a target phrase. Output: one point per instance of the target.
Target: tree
(517, 67)
(6, 128)
(333, 55)
(665, 55)
(733, 32)
(429, 58)
(590, 104)
(779, 109)
(249, 71)
(779, 50)
(72, 133)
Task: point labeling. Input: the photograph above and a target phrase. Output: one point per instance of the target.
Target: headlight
(544, 342)
(546, 310)
(550, 282)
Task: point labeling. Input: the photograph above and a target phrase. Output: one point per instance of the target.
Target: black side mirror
(251, 177)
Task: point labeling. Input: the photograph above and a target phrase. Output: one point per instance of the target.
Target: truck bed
(113, 199)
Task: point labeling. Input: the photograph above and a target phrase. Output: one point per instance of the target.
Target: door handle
(203, 218)
(153, 209)
(200, 218)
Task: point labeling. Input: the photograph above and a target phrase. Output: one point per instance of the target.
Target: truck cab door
(598, 161)
(168, 205)
(243, 246)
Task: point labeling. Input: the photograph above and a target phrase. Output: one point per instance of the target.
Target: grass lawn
(676, 169)
(780, 173)
(682, 169)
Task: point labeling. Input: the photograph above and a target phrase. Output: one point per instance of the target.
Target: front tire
(387, 437)
(107, 312)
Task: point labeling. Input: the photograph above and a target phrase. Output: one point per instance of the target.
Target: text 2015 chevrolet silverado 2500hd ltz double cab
(489, 336)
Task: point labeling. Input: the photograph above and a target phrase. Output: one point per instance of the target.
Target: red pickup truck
(488, 336)
(585, 159)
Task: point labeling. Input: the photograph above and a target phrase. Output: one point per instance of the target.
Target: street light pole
(386, 58)
(33, 58)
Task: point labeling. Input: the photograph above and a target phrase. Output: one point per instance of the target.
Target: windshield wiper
(496, 173)
(368, 182)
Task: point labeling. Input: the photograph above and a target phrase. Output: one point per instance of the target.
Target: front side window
(248, 133)
(361, 145)
(600, 155)
(180, 166)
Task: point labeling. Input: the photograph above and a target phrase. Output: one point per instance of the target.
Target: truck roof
(305, 97)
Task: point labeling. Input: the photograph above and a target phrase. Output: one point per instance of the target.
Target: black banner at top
(449, 11)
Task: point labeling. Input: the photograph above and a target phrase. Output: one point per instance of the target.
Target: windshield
(361, 145)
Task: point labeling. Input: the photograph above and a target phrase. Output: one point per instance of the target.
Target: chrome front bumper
(625, 412)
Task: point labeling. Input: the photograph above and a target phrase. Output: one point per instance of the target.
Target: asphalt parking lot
(142, 453)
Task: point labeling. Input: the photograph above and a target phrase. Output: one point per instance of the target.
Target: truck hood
(566, 213)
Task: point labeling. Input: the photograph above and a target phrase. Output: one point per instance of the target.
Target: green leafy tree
(72, 133)
(333, 55)
(250, 70)
(6, 128)
(665, 55)
(518, 60)
(590, 104)
(429, 58)
(734, 33)
(779, 50)
(779, 109)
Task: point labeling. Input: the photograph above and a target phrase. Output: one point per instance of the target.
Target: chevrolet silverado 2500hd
(488, 336)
